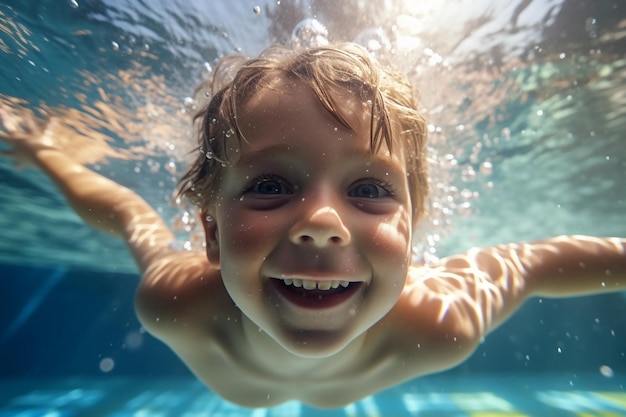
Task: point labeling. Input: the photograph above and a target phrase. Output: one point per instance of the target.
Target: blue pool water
(527, 108)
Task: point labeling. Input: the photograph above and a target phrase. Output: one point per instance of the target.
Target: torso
(238, 375)
(209, 334)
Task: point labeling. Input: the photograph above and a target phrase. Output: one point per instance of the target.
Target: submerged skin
(306, 200)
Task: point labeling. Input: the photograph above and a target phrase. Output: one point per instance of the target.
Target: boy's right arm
(101, 203)
(173, 282)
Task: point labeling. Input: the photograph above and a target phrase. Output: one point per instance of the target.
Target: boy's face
(312, 231)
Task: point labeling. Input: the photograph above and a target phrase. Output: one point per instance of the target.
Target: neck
(268, 353)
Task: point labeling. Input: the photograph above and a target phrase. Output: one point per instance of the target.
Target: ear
(211, 237)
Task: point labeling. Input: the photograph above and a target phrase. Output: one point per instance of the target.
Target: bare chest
(238, 376)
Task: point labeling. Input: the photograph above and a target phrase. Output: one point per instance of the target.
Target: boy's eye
(370, 190)
(269, 186)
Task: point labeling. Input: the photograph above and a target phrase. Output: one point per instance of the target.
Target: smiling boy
(310, 178)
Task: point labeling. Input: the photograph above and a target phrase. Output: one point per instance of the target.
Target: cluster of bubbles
(126, 46)
(311, 33)
(129, 46)
(132, 342)
(375, 40)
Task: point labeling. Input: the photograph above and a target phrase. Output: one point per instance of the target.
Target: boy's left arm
(573, 265)
(563, 266)
(471, 294)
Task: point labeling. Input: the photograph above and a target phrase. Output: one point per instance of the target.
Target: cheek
(391, 249)
(393, 237)
(245, 232)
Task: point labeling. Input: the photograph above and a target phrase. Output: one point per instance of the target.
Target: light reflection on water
(525, 100)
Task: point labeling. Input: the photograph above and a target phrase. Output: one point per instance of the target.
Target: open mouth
(316, 294)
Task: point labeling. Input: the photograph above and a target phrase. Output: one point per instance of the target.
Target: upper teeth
(309, 284)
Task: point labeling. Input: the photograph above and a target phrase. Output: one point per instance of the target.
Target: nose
(320, 226)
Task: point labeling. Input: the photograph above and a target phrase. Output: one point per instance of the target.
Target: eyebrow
(270, 152)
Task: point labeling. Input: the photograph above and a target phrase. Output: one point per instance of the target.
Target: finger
(30, 124)
(51, 123)
(7, 122)
(11, 136)
(50, 128)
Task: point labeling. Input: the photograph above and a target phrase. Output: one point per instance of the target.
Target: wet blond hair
(394, 118)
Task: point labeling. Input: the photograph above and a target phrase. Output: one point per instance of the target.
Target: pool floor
(473, 396)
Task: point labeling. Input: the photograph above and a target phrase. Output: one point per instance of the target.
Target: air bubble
(170, 167)
(206, 71)
(189, 105)
(374, 40)
(256, 10)
(309, 33)
(133, 340)
(591, 27)
(74, 4)
(606, 371)
(107, 365)
(486, 168)
(187, 218)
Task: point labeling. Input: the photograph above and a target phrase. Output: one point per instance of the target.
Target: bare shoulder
(438, 321)
(180, 292)
(438, 305)
(458, 300)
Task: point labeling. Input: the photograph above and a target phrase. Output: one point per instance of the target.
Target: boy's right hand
(25, 136)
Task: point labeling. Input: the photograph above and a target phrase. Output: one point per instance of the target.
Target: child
(311, 177)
